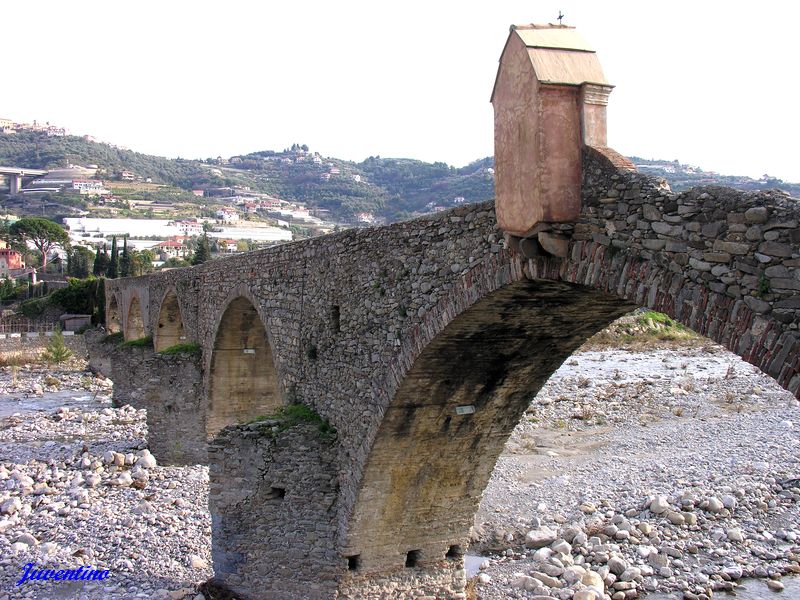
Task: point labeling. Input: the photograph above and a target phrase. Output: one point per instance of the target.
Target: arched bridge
(421, 344)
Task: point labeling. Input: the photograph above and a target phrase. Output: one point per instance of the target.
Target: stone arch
(169, 329)
(243, 382)
(452, 413)
(134, 323)
(113, 318)
(463, 381)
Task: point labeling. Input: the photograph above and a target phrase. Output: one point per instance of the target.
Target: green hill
(391, 189)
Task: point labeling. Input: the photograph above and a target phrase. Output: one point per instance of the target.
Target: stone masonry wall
(170, 388)
(273, 500)
(727, 262)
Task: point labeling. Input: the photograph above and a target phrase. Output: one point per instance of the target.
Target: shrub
(56, 351)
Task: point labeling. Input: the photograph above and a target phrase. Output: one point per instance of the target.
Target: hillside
(683, 177)
(375, 190)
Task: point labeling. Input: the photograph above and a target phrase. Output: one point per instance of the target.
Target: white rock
(27, 539)
(735, 534)
(592, 579)
(10, 506)
(195, 562)
(659, 505)
(48, 548)
(146, 460)
(124, 479)
(537, 538)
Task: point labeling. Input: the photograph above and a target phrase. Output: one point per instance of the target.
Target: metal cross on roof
(560, 16)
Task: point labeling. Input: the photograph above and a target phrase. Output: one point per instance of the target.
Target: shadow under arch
(134, 325)
(452, 414)
(169, 330)
(113, 319)
(243, 382)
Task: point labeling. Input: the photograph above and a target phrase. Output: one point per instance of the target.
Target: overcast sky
(709, 83)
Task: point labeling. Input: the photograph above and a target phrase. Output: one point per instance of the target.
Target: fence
(25, 325)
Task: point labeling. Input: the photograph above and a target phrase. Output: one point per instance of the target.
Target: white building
(226, 214)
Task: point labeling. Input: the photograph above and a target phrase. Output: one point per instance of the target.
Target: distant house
(90, 187)
(335, 171)
(227, 214)
(357, 178)
(171, 249)
(189, 227)
(365, 217)
(198, 193)
(127, 176)
(10, 260)
(227, 246)
(325, 176)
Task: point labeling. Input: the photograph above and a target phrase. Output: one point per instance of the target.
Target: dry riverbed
(632, 473)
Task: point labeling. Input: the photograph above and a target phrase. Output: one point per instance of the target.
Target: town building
(171, 249)
(10, 260)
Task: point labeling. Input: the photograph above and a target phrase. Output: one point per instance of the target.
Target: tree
(56, 351)
(142, 262)
(100, 262)
(42, 233)
(172, 263)
(203, 252)
(112, 272)
(125, 260)
(79, 261)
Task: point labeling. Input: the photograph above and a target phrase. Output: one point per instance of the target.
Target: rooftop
(559, 55)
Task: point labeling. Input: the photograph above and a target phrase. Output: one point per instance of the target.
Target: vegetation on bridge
(292, 415)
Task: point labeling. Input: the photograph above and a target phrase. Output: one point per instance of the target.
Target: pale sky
(709, 83)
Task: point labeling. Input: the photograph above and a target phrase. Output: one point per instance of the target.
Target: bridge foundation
(275, 500)
(169, 387)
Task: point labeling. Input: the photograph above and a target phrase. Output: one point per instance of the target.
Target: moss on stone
(292, 415)
(183, 348)
(141, 342)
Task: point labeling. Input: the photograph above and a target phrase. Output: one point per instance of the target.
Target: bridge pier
(169, 387)
(14, 183)
(275, 500)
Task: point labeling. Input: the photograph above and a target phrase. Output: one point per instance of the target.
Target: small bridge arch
(169, 330)
(243, 381)
(113, 318)
(134, 321)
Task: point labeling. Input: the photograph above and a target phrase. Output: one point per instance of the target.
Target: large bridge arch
(169, 329)
(469, 371)
(243, 382)
(134, 321)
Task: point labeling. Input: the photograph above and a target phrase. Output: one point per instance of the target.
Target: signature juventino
(31, 573)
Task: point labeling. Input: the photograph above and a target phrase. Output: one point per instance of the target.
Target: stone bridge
(352, 393)
(421, 344)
